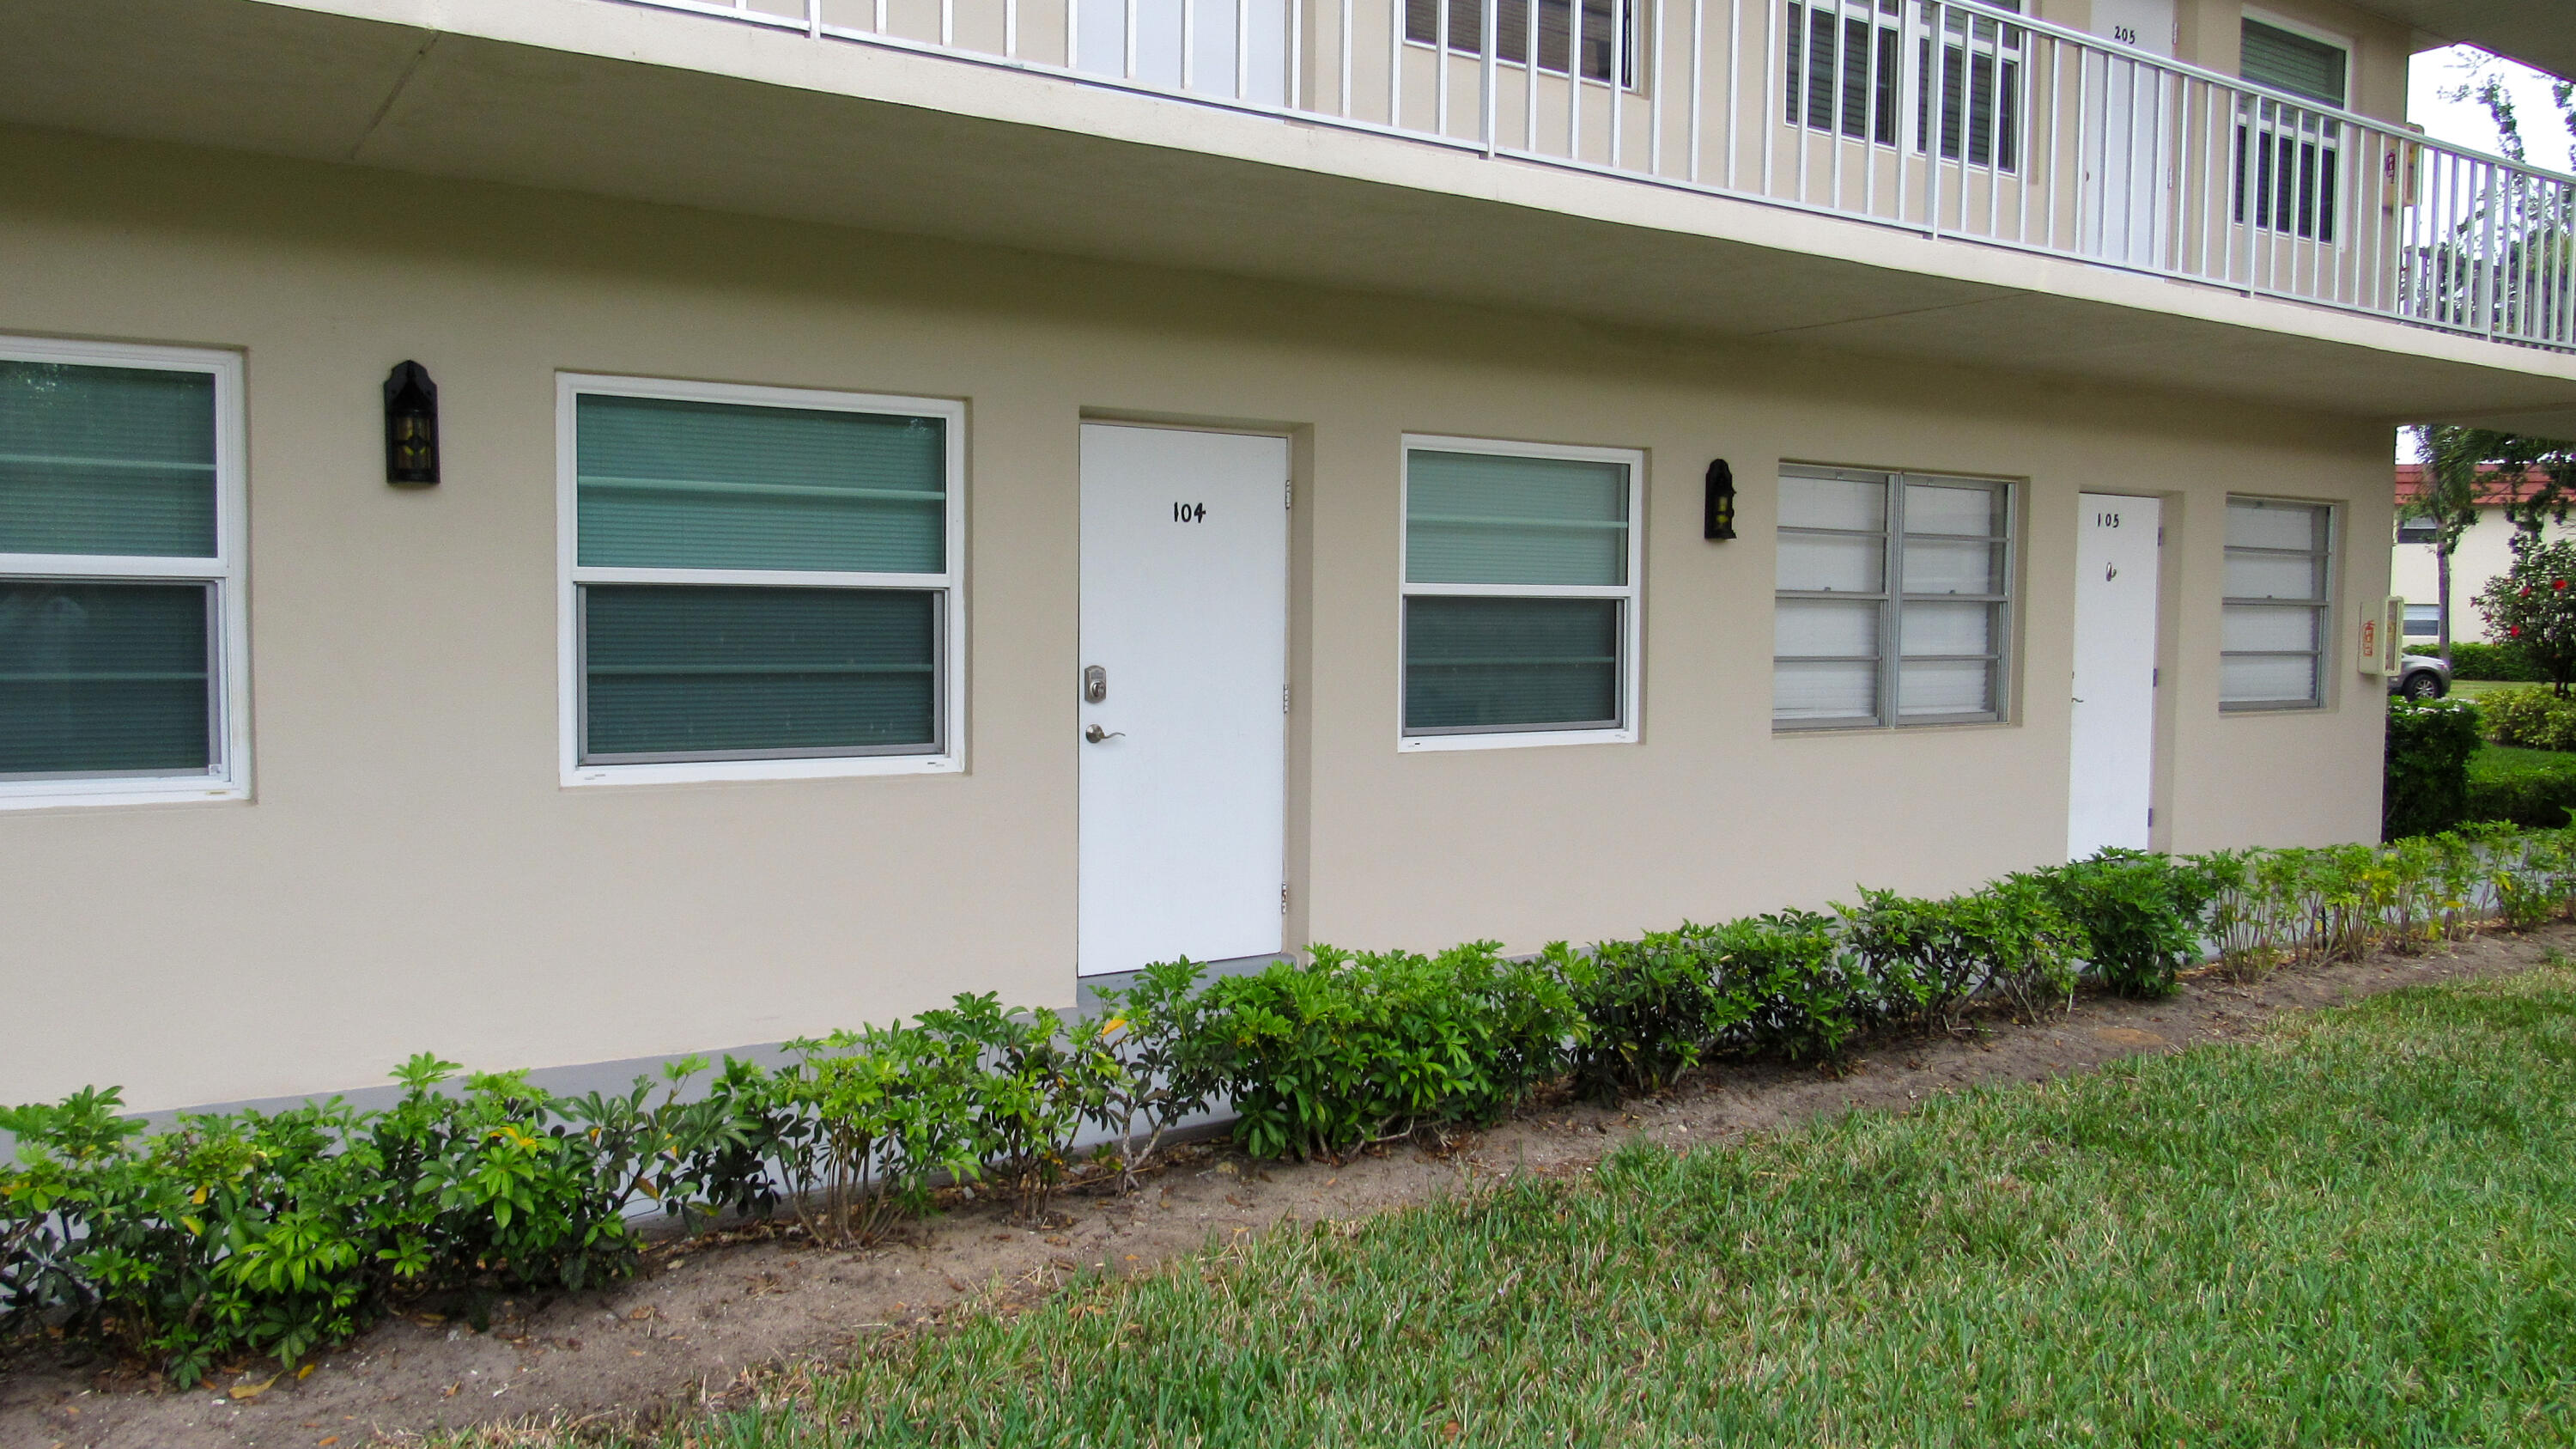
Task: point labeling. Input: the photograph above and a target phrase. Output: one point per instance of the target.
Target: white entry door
(2134, 108)
(2112, 769)
(1183, 680)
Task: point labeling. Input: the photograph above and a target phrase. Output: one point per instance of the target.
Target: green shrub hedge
(2531, 719)
(2500, 662)
(2430, 744)
(280, 1233)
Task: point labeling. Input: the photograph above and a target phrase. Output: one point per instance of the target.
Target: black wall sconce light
(1720, 520)
(411, 426)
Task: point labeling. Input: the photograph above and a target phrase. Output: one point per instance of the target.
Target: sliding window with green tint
(108, 479)
(1518, 590)
(685, 507)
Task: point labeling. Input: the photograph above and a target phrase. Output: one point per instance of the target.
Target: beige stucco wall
(2484, 551)
(411, 874)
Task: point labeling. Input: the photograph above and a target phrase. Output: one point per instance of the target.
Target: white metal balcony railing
(1941, 117)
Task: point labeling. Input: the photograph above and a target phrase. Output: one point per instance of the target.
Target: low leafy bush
(2531, 719)
(280, 1233)
(2139, 916)
(2429, 747)
(1351, 1048)
(2499, 662)
(1931, 958)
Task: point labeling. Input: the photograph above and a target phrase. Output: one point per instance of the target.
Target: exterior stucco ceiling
(2538, 33)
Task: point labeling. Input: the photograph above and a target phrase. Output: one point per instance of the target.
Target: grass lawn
(2358, 1229)
(2472, 688)
(2501, 760)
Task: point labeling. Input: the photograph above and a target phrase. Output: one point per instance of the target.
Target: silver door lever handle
(1096, 734)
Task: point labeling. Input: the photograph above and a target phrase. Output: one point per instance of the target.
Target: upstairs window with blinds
(2272, 633)
(2289, 159)
(761, 577)
(120, 609)
(1895, 599)
(1546, 27)
(1520, 594)
(1848, 74)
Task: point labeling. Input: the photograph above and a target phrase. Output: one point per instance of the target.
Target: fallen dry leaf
(245, 1392)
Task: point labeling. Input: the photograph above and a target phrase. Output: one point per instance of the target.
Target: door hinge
(1283, 898)
(2155, 679)
(1283, 698)
(2151, 815)
(2160, 535)
(1288, 493)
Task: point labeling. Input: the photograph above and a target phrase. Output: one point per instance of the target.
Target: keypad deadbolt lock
(1095, 684)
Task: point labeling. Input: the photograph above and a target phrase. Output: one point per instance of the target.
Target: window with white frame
(759, 582)
(2272, 635)
(1520, 593)
(1894, 601)
(122, 627)
(2423, 621)
(2289, 159)
(1546, 27)
(1846, 74)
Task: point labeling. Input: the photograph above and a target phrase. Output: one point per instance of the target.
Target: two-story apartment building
(567, 531)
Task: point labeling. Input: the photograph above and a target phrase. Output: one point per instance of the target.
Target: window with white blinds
(759, 581)
(121, 620)
(1894, 602)
(1519, 594)
(2272, 632)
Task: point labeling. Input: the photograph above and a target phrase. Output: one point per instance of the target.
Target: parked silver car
(2420, 676)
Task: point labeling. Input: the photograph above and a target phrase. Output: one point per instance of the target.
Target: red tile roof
(2493, 488)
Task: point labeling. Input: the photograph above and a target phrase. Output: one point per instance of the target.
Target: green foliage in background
(2473, 660)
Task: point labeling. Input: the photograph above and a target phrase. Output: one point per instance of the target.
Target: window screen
(1518, 589)
(759, 581)
(111, 638)
(1894, 599)
(2273, 630)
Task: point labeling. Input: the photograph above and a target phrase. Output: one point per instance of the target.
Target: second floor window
(1848, 75)
(2289, 158)
(1609, 28)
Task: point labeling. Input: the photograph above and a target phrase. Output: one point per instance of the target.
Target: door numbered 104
(1189, 513)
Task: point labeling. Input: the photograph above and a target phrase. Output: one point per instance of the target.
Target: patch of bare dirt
(706, 1313)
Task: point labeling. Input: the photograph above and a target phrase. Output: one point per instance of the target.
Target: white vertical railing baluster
(1489, 44)
(1127, 57)
(1439, 66)
(1698, 57)
(1651, 90)
(948, 22)
(1766, 125)
(1618, 68)
(1396, 20)
(1735, 87)
(1342, 90)
(1529, 78)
